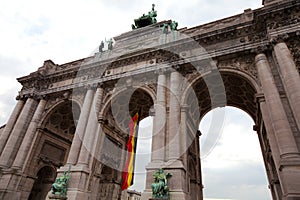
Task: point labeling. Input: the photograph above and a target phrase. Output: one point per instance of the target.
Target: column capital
(20, 97)
(91, 86)
(275, 39)
(260, 49)
(100, 85)
(162, 71)
(260, 56)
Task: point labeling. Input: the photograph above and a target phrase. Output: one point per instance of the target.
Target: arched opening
(53, 143)
(234, 167)
(117, 114)
(44, 179)
(239, 91)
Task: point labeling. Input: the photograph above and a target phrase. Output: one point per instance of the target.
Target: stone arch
(108, 99)
(145, 94)
(45, 177)
(114, 125)
(231, 79)
(53, 142)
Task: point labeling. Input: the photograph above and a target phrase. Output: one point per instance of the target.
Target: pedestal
(57, 197)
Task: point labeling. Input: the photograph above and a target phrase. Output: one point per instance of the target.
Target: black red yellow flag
(128, 171)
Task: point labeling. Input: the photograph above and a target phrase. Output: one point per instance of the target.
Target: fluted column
(284, 136)
(159, 121)
(290, 77)
(10, 124)
(174, 117)
(17, 134)
(27, 141)
(91, 130)
(80, 129)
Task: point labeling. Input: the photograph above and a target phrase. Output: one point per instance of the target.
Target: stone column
(10, 124)
(24, 148)
(174, 116)
(290, 77)
(12, 146)
(91, 130)
(289, 155)
(285, 138)
(80, 129)
(159, 121)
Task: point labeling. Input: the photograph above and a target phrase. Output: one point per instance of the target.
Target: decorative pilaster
(159, 121)
(12, 146)
(24, 148)
(81, 126)
(290, 77)
(10, 124)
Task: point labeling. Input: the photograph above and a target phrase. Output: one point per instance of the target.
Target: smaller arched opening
(42, 185)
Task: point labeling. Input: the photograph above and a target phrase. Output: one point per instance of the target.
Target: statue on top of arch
(145, 20)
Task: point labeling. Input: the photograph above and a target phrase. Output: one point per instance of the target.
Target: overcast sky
(63, 30)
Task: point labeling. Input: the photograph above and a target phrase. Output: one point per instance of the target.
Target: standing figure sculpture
(101, 46)
(160, 189)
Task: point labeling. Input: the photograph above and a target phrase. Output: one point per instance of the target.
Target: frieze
(242, 63)
(285, 17)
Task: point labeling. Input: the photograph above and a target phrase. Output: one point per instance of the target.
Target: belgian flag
(128, 171)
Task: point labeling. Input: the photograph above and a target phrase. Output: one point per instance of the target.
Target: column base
(174, 195)
(11, 195)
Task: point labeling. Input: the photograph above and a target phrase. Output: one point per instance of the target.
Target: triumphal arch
(75, 115)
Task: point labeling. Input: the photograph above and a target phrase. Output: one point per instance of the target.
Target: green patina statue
(174, 25)
(59, 187)
(101, 46)
(145, 20)
(160, 189)
(110, 44)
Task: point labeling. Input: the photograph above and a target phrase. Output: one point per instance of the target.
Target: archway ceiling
(239, 93)
(126, 104)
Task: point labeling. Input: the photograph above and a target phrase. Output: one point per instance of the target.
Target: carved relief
(241, 63)
(294, 46)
